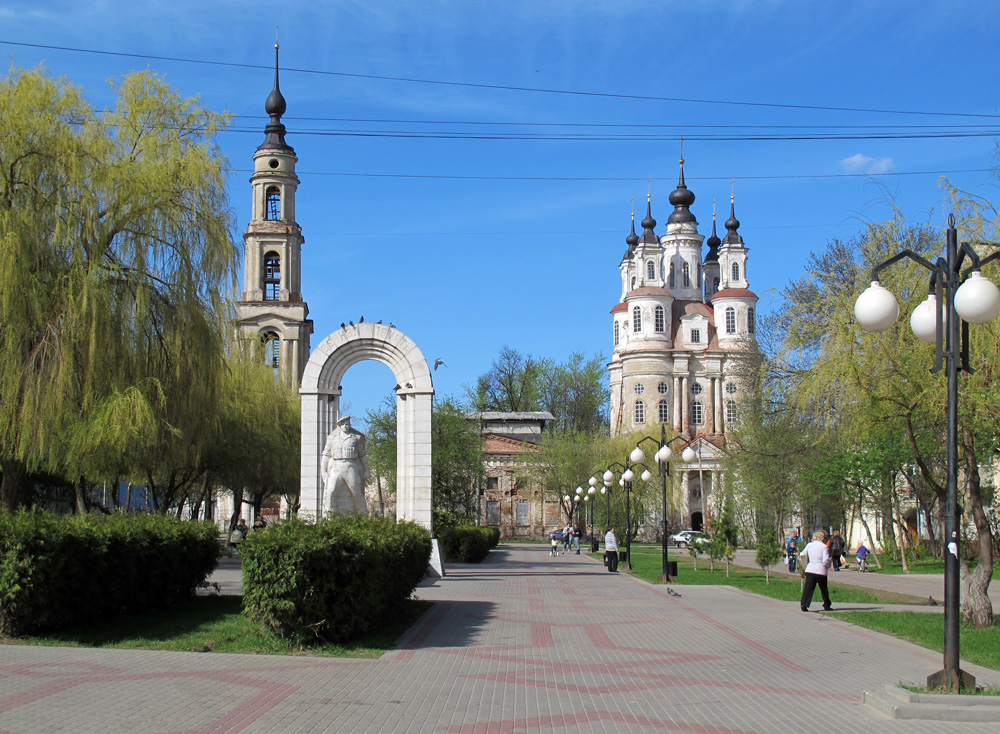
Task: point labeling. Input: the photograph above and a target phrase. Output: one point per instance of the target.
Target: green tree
(117, 269)
(768, 552)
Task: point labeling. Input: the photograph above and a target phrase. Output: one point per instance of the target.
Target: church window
(730, 320)
(617, 333)
(672, 279)
(699, 275)
(639, 388)
(736, 271)
(650, 270)
(663, 408)
(636, 320)
(492, 482)
(751, 321)
(639, 412)
(730, 411)
(686, 275)
(272, 277)
(272, 203)
(633, 283)
(697, 389)
(715, 285)
(659, 321)
(272, 348)
(731, 388)
(697, 414)
(663, 388)
(696, 336)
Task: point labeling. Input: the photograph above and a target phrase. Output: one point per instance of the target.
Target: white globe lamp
(876, 308)
(923, 320)
(977, 300)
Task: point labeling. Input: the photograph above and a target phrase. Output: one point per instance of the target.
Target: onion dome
(275, 106)
(713, 243)
(732, 224)
(632, 240)
(682, 199)
(648, 236)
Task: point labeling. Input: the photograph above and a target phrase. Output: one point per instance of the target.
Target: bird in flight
(439, 363)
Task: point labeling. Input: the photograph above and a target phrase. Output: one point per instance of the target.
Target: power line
(502, 87)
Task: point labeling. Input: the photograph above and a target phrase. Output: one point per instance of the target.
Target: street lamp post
(662, 458)
(974, 299)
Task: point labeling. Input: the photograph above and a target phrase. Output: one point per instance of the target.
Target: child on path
(862, 557)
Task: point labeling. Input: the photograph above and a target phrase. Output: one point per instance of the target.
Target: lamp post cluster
(626, 474)
(971, 298)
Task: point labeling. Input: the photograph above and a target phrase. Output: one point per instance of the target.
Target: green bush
(56, 570)
(332, 580)
(468, 543)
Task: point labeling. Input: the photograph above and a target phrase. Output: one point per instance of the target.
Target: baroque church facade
(683, 325)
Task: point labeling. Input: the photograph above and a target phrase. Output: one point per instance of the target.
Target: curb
(899, 703)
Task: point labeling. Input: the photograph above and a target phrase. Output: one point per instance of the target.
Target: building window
(659, 321)
(715, 285)
(697, 389)
(633, 283)
(636, 320)
(730, 411)
(736, 271)
(617, 333)
(492, 482)
(492, 512)
(272, 203)
(650, 270)
(672, 279)
(751, 321)
(663, 410)
(272, 277)
(639, 412)
(639, 388)
(696, 336)
(272, 348)
(697, 414)
(522, 513)
(686, 274)
(731, 388)
(730, 320)
(699, 275)
(663, 388)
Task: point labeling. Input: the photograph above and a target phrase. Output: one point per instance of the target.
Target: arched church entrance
(696, 521)
(321, 394)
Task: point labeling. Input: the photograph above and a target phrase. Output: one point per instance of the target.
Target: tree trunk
(976, 605)
(864, 522)
(237, 508)
(80, 496)
(897, 517)
(128, 497)
(14, 492)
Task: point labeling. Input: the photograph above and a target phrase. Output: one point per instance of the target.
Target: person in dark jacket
(837, 550)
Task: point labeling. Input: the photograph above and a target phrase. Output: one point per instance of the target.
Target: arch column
(321, 394)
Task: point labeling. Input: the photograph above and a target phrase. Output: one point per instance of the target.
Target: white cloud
(860, 163)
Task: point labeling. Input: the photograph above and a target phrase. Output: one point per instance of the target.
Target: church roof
(733, 293)
(619, 307)
(648, 290)
(690, 308)
(275, 106)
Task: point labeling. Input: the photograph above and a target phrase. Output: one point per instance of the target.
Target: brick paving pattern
(520, 643)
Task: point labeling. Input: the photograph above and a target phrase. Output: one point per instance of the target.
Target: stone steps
(899, 703)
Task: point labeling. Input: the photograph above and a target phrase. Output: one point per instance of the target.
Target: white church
(680, 331)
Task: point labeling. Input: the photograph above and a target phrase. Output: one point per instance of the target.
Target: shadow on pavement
(452, 624)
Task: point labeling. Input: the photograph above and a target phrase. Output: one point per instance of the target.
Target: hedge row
(467, 543)
(57, 570)
(333, 580)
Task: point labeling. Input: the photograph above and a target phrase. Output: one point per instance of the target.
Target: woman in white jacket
(816, 567)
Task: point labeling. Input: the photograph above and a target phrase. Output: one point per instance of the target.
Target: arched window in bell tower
(736, 271)
(272, 203)
(650, 270)
(686, 273)
(272, 277)
(672, 279)
(272, 348)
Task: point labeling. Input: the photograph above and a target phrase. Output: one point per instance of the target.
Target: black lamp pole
(953, 355)
(664, 468)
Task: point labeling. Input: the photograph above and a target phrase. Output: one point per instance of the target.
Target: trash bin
(672, 569)
(594, 546)
(622, 556)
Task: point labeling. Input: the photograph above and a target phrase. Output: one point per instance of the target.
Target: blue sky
(470, 244)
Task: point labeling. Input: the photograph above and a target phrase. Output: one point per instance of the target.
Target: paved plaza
(520, 643)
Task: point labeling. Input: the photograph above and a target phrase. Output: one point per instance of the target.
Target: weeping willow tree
(115, 265)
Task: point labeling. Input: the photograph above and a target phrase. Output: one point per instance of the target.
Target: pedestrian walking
(576, 538)
(237, 536)
(611, 550)
(567, 536)
(837, 550)
(791, 554)
(553, 543)
(816, 568)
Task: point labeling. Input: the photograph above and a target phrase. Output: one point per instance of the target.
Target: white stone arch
(321, 393)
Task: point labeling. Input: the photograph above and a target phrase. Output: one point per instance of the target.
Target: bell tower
(272, 310)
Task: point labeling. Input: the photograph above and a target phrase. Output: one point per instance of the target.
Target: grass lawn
(981, 647)
(783, 585)
(923, 565)
(214, 624)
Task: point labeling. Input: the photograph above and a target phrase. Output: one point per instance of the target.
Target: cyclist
(862, 557)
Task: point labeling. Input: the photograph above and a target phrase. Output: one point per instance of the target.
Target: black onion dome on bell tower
(275, 106)
(682, 198)
(713, 243)
(631, 240)
(648, 236)
(732, 224)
